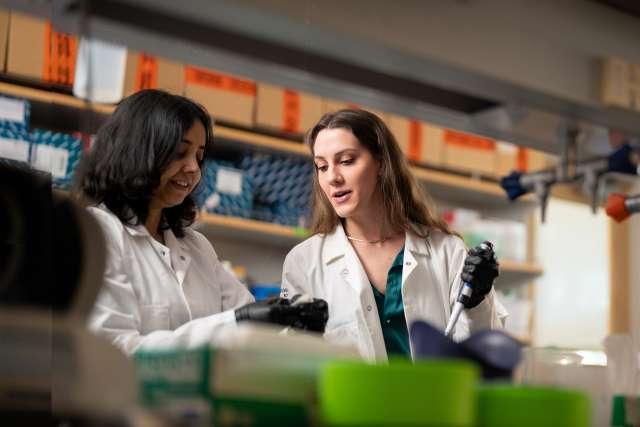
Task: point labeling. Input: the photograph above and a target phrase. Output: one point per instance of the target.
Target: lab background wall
(264, 266)
(490, 36)
(572, 297)
(634, 273)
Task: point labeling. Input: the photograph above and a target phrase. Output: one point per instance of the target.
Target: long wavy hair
(407, 206)
(132, 150)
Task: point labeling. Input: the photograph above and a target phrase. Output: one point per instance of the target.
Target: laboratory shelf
(50, 109)
(517, 273)
(528, 268)
(250, 230)
(441, 185)
(54, 98)
(255, 231)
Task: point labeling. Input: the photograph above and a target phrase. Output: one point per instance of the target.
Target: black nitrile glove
(309, 316)
(480, 271)
(259, 311)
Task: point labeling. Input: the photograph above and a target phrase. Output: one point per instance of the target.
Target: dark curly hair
(132, 150)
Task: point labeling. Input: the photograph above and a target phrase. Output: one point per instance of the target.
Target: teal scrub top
(391, 311)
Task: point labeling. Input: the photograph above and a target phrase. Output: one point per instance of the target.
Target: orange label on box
(202, 77)
(415, 140)
(146, 73)
(522, 160)
(59, 56)
(468, 141)
(290, 111)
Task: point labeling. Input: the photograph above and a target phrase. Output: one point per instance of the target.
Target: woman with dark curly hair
(164, 285)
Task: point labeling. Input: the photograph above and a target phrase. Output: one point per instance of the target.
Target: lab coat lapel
(420, 279)
(340, 257)
(136, 230)
(415, 249)
(414, 274)
(180, 256)
(139, 231)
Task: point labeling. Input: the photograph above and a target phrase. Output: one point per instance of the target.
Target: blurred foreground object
(252, 375)
(584, 370)
(51, 367)
(503, 405)
(494, 351)
(623, 375)
(426, 393)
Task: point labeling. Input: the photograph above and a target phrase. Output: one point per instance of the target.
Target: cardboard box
(510, 157)
(286, 110)
(151, 72)
(331, 105)
(225, 190)
(37, 51)
(15, 143)
(15, 113)
(471, 153)
(635, 83)
(534, 160)
(615, 88)
(227, 98)
(4, 36)
(25, 50)
(421, 142)
(56, 153)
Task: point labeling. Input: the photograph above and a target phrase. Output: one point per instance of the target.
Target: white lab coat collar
(133, 230)
(337, 244)
(417, 245)
(136, 230)
(179, 253)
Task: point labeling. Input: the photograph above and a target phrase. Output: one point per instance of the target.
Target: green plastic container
(525, 406)
(427, 393)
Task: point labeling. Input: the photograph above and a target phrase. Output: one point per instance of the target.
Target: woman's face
(347, 172)
(183, 173)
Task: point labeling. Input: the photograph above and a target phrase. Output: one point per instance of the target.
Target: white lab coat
(327, 267)
(156, 296)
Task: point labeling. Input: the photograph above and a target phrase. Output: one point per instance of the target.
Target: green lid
(427, 393)
(524, 406)
(618, 413)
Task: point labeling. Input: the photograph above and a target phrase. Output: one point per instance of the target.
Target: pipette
(464, 296)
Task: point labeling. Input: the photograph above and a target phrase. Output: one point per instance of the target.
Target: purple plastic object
(496, 352)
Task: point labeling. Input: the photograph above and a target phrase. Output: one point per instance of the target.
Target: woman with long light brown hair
(379, 254)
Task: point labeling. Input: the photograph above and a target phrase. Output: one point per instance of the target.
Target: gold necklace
(371, 242)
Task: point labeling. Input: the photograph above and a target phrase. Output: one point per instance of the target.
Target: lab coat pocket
(345, 334)
(154, 318)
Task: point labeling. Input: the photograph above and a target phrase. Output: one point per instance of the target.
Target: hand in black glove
(259, 311)
(311, 315)
(480, 270)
